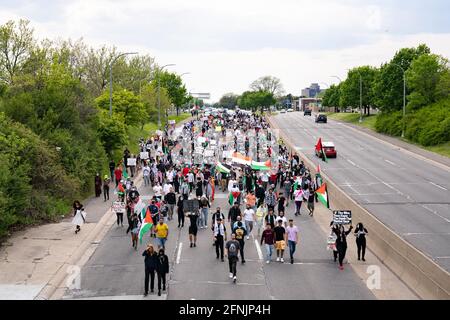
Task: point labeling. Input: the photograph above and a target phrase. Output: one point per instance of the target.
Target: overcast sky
(228, 44)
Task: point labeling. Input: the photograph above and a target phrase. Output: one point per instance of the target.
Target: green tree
(125, 103)
(150, 101)
(252, 100)
(426, 77)
(112, 132)
(388, 85)
(175, 88)
(269, 84)
(228, 100)
(350, 93)
(331, 97)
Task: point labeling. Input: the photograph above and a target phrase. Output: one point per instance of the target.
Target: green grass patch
(442, 149)
(368, 121)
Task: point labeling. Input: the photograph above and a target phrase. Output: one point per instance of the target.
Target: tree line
(427, 76)
(55, 128)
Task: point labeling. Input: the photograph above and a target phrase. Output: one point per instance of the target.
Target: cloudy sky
(225, 45)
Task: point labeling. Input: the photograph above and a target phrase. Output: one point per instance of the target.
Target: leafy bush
(389, 123)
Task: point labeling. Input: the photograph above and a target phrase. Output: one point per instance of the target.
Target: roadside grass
(369, 122)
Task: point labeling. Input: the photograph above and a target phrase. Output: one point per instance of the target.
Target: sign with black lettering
(191, 205)
(119, 206)
(342, 216)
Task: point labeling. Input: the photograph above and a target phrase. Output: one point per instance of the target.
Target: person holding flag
(320, 151)
(147, 224)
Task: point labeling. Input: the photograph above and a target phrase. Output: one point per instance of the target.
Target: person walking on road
(171, 200)
(146, 174)
(193, 229)
(79, 215)
(162, 232)
(162, 270)
(204, 208)
(232, 252)
(270, 199)
(268, 237)
(261, 213)
(311, 198)
(249, 219)
(292, 236)
(270, 218)
(298, 196)
(106, 183)
(151, 265)
(118, 175)
(98, 185)
(112, 166)
(240, 233)
(280, 240)
(233, 213)
(134, 227)
(360, 234)
(220, 235)
(341, 243)
(180, 212)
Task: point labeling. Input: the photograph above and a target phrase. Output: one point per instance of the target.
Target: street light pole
(404, 97)
(111, 78)
(360, 98)
(159, 95)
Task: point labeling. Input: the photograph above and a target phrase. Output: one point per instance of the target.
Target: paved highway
(408, 194)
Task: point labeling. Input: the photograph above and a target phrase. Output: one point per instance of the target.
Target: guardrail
(419, 272)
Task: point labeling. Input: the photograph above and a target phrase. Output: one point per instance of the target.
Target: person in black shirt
(281, 203)
(270, 218)
(112, 167)
(193, 217)
(171, 200)
(180, 212)
(151, 265)
(260, 194)
(341, 243)
(360, 234)
(240, 233)
(280, 240)
(162, 269)
(234, 212)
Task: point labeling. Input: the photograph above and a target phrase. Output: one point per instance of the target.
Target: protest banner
(131, 162)
(208, 153)
(144, 155)
(342, 216)
(119, 206)
(191, 206)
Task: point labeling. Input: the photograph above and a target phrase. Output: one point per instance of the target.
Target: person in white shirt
(166, 187)
(170, 176)
(249, 218)
(282, 218)
(191, 179)
(157, 189)
(298, 194)
(146, 174)
(231, 184)
(265, 180)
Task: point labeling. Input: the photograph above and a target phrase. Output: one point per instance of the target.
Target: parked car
(307, 112)
(321, 118)
(283, 111)
(329, 149)
(290, 110)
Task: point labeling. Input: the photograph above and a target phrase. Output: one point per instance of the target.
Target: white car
(290, 110)
(283, 111)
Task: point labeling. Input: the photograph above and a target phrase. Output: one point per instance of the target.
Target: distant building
(312, 91)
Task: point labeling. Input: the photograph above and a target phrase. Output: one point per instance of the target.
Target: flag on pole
(233, 196)
(146, 225)
(222, 168)
(263, 166)
(322, 194)
(319, 148)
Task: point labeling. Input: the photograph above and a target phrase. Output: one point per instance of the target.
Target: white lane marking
(179, 252)
(425, 233)
(390, 162)
(351, 162)
(442, 258)
(258, 249)
(436, 185)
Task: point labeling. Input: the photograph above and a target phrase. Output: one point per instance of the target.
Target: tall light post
(159, 94)
(340, 80)
(404, 97)
(111, 78)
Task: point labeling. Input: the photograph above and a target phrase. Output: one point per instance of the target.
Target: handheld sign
(342, 216)
(191, 205)
(144, 155)
(131, 162)
(172, 121)
(118, 207)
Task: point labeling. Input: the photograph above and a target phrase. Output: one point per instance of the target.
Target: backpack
(239, 234)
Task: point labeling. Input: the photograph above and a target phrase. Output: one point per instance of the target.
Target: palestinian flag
(146, 225)
(322, 194)
(263, 166)
(233, 196)
(319, 148)
(222, 168)
(296, 185)
(239, 158)
(120, 189)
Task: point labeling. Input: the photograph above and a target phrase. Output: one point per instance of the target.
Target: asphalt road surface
(116, 270)
(408, 194)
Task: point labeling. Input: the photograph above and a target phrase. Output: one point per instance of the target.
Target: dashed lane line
(180, 247)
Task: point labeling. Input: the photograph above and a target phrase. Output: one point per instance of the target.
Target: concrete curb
(426, 278)
(54, 289)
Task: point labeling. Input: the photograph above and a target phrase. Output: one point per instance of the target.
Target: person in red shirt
(185, 171)
(118, 175)
(268, 238)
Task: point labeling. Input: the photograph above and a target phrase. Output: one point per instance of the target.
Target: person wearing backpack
(240, 233)
(232, 252)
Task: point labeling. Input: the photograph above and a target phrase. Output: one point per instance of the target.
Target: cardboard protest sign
(342, 216)
(118, 207)
(144, 155)
(131, 162)
(191, 206)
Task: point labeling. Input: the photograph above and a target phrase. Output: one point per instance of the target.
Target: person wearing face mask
(341, 243)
